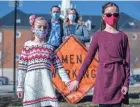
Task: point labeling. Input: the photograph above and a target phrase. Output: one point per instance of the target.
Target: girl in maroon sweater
(112, 80)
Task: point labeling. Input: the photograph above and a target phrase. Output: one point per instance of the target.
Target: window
(136, 59)
(18, 34)
(0, 56)
(134, 36)
(131, 23)
(17, 57)
(0, 37)
(18, 21)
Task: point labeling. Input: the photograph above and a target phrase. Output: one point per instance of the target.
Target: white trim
(0, 37)
(18, 35)
(18, 57)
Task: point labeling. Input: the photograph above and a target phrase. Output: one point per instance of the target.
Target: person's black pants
(110, 105)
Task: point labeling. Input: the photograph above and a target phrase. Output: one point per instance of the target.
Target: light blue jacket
(81, 33)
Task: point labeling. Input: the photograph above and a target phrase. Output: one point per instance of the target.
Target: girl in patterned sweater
(34, 71)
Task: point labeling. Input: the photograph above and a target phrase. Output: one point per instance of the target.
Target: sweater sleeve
(127, 64)
(59, 68)
(89, 57)
(22, 69)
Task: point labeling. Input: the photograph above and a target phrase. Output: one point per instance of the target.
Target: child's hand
(68, 85)
(124, 90)
(20, 94)
(74, 85)
(66, 37)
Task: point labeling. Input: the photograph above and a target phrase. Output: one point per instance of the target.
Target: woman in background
(72, 27)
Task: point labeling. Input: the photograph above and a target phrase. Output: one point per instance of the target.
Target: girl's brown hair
(77, 16)
(109, 4)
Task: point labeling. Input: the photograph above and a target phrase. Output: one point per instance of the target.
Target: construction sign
(72, 54)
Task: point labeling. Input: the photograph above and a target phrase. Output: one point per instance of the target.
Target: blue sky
(131, 8)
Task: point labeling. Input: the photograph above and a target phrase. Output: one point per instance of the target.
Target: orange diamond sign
(72, 54)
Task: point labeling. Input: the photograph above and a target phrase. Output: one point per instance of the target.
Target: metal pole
(14, 57)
